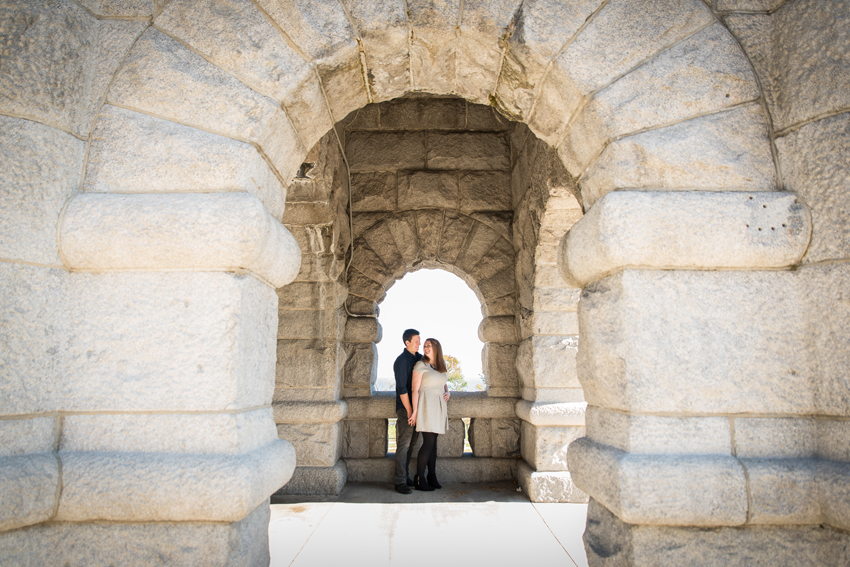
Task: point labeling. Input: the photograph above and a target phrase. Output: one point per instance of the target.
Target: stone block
(485, 191)
(317, 480)
(23, 436)
(132, 152)
(378, 438)
(381, 405)
(505, 436)
(373, 191)
(777, 437)
(363, 287)
(498, 361)
(294, 412)
(545, 448)
(316, 444)
(548, 486)
(101, 231)
(571, 414)
(480, 438)
(360, 365)
(158, 75)
(451, 443)
(382, 241)
(429, 225)
(426, 189)
(485, 118)
(812, 159)
(791, 51)
(385, 151)
(432, 46)
(213, 544)
(539, 323)
(834, 492)
(498, 285)
(309, 324)
(726, 151)
(559, 99)
(305, 395)
(384, 33)
(657, 435)
(41, 166)
(671, 490)
(689, 230)
(28, 489)
(728, 326)
(60, 85)
(783, 491)
(478, 50)
(355, 439)
(468, 151)
(311, 295)
(456, 229)
(554, 395)
(121, 8)
(703, 73)
(481, 240)
(553, 299)
(610, 541)
(362, 330)
(424, 114)
(497, 330)
(833, 440)
(548, 362)
(367, 262)
(311, 363)
(239, 39)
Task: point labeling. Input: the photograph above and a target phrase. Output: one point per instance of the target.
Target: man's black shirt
(403, 369)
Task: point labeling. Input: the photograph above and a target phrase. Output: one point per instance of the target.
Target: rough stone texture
(787, 437)
(381, 405)
(373, 191)
(384, 32)
(22, 436)
(451, 443)
(485, 191)
(468, 151)
(355, 439)
(146, 487)
(310, 295)
(497, 330)
(609, 541)
(701, 74)
(41, 166)
(464, 469)
(239, 39)
(798, 54)
(309, 363)
(672, 490)
(102, 231)
(552, 413)
(813, 162)
(360, 368)
(783, 491)
(309, 324)
(554, 395)
(505, 437)
(378, 438)
(498, 361)
(547, 362)
(548, 486)
(692, 230)
(422, 189)
(385, 151)
(133, 152)
(316, 444)
(727, 151)
(58, 62)
(424, 114)
(120, 8)
(309, 412)
(160, 73)
(317, 480)
(362, 330)
(433, 45)
(545, 448)
(480, 439)
(720, 321)
(655, 435)
(207, 433)
(28, 489)
(186, 544)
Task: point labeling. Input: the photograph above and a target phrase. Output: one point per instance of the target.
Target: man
(405, 433)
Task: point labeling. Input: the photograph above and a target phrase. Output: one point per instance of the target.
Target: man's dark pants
(405, 436)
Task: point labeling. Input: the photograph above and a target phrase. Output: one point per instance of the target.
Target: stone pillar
(159, 430)
(701, 379)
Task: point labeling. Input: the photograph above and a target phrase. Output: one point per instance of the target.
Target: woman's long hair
(440, 363)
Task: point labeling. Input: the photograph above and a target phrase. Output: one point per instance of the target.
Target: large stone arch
(112, 114)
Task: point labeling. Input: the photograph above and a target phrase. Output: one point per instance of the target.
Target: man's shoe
(403, 489)
(409, 482)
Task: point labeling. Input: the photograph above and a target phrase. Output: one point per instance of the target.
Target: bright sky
(437, 304)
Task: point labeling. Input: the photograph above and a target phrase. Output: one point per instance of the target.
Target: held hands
(411, 419)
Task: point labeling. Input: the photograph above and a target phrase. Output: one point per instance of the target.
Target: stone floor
(464, 524)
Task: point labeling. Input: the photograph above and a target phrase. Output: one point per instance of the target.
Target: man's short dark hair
(408, 335)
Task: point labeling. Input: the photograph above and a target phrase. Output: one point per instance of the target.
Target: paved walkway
(463, 524)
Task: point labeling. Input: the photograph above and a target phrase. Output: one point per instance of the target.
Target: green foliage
(456, 380)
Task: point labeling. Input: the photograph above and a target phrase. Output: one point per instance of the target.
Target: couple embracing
(421, 393)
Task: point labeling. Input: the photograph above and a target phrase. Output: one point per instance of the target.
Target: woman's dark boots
(420, 484)
(432, 480)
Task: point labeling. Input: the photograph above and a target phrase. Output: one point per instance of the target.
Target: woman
(430, 414)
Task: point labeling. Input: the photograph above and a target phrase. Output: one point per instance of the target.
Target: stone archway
(216, 100)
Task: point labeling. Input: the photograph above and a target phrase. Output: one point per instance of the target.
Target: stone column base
(548, 486)
(610, 542)
(176, 544)
(317, 480)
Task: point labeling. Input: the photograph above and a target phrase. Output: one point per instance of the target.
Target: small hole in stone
(748, 226)
(771, 228)
(727, 95)
(764, 206)
(751, 197)
(303, 170)
(783, 225)
(759, 229)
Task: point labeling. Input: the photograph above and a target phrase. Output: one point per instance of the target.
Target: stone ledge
(173, 231)
(548, 414)
(463, 469)
(309, 412)
(685, 230)
(461, 404)
(547, 486)
(155, 487)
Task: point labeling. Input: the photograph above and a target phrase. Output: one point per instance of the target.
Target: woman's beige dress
(433, 414)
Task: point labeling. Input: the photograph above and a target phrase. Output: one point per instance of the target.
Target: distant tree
(480, 386)
(456, 380)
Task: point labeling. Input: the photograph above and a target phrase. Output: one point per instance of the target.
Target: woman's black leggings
(427, 454)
